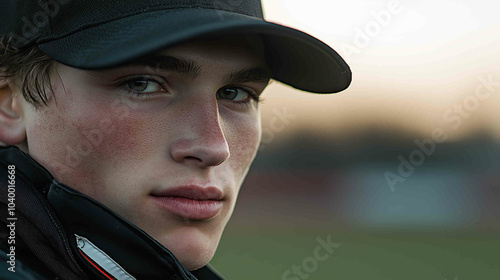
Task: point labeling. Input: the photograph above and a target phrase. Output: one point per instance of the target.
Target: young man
(128, 128)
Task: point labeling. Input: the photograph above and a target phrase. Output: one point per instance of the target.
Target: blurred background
(400, 173)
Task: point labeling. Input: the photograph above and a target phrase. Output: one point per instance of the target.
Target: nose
(202, 143)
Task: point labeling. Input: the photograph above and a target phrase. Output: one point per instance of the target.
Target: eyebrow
(260, 75)
(154, 63)
(191, 69)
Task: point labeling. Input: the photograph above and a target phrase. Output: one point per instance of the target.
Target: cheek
(84, 144)
(51, 140)
(244, 138)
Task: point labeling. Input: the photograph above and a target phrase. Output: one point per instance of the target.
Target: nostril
(190, 157)
(202, 156)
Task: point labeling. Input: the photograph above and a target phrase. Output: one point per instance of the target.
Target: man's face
(151, 141)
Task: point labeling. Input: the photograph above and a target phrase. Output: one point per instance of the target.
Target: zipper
(100, 261)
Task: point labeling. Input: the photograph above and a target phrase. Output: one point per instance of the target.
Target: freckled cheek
(78, 147)
(125, 140)
(119, 147)
(244, 141)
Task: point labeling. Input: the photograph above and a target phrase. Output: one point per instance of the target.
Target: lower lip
(189, 208)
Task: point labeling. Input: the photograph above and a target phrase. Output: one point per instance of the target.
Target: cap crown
(31, 21)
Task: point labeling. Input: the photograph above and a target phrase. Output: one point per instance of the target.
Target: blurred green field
(266, 254)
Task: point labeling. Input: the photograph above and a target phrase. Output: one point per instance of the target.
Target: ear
(12, 126)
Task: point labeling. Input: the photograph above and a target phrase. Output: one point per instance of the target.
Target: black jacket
(50, 231)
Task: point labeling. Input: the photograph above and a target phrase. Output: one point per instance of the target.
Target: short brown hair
(30, 67)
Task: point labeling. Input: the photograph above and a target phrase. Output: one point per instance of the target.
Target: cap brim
(295, 58)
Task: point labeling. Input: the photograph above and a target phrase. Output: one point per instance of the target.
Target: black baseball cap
(97, 34)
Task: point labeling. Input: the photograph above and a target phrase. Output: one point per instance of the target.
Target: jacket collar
(126, 246)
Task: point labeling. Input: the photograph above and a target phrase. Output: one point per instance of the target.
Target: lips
(190, 202)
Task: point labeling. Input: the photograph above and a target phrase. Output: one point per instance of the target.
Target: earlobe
(12, 126)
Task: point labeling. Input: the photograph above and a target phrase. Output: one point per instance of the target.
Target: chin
(192, 247)
(194, 264)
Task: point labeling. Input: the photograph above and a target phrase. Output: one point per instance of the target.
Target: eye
(144, 85)
(235, 94)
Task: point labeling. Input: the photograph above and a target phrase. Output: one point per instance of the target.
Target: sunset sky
(417, 66)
